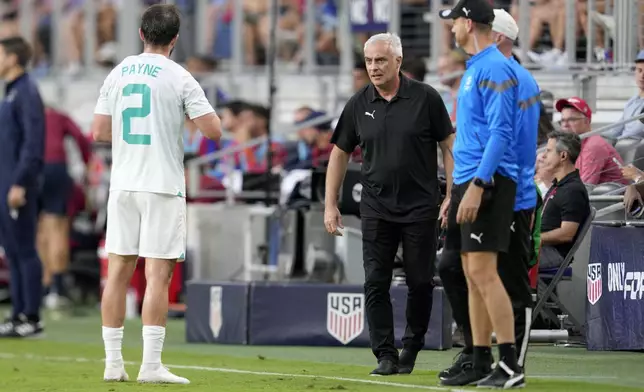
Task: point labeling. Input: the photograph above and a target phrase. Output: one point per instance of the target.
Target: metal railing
(423, 31)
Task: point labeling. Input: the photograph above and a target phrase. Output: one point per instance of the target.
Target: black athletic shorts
(513, 265)
(490, 232)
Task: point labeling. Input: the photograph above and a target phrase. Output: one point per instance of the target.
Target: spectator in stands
(450, 68)
(255, 121)
(551, 13)
(414, 68)
(566, 204)
(634, 107)
(360, 75)
(54, 224)
(595, 163)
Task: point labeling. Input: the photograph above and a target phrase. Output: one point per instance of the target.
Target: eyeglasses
(569, 120)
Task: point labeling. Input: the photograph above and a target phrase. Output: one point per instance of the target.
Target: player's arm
(198, 109)
(101, 128)
(498, 89)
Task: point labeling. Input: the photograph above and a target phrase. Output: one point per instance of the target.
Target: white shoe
(115, 374)
(161, 376)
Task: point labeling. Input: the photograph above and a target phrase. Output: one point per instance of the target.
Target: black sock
(508, 354)
(58, 284)
(482, 358)
(468, 350)
(34, 318)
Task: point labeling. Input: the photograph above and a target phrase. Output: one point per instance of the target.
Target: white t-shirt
(148, 97)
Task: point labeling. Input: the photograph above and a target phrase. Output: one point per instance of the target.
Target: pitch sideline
(238, 371)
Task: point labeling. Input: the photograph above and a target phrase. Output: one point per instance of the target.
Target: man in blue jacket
(486, 173)
(22, 116)
(513, 266)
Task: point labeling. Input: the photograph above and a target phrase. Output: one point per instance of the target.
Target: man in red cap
(596, 162)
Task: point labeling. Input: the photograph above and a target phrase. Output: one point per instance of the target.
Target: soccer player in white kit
(141, 110)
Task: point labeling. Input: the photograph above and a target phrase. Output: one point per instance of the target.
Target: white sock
(113, 339)
(153, 338)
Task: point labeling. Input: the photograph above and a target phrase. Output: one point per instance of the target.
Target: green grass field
(69, 359)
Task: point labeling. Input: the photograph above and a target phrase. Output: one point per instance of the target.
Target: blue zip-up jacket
(485, 124)
(22, 119)
(528, 114)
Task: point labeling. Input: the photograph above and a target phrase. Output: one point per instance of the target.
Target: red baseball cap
(577, 103)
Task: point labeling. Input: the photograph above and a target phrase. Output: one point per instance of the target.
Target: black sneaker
(7, 327)
(28, 329)
(502, 377)
(460, 360)
(386, 367)
(407, 361)
(467, 376)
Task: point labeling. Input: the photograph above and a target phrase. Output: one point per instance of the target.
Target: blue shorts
(56, 189)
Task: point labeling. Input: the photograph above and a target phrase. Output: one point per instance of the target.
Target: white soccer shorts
(146, 224)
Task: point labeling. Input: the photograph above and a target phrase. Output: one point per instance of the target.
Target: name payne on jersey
(141, 69)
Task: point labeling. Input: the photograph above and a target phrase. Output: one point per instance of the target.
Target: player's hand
(333, 220)
(443, 211)
(16, 197)
(469, 208)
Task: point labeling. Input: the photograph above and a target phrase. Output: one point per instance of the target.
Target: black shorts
(514, 265)
(56, 189)
(490, 232)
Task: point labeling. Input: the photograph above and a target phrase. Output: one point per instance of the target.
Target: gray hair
(567, 142)
(390, 38)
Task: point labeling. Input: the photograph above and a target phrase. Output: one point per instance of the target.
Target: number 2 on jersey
(140, 112)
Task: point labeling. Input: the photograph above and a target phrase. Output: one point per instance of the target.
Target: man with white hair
(514, 264)
(398, 123)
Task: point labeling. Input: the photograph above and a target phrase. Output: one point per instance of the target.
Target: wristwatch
(482, 184)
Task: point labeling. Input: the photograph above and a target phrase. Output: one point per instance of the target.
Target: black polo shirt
(398, 142)
(566, 201)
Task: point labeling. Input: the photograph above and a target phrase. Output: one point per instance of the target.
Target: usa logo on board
(594, 283)
(345, 316)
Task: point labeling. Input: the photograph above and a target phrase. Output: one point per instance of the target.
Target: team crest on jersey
(594, 283)
(215, 319)
(345, 316)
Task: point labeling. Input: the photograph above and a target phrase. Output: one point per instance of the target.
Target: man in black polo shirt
(397, 122)
(566, 204)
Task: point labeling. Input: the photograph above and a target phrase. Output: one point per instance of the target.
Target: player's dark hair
(416, 67)
(18, 47)
(567, 142)
(160, 24)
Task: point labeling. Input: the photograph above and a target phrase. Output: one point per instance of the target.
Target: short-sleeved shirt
(398, 140)
(565, 201)
(595, 162)
(148, 97)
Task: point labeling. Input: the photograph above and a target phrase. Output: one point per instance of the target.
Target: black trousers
(513, 269)
(380, 240)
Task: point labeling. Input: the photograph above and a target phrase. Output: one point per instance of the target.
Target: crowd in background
(546, 38)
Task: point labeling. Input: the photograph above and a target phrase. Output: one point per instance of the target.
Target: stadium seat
(550, 278)
(627, 149)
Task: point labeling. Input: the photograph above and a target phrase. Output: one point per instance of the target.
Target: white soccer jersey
(148, 97)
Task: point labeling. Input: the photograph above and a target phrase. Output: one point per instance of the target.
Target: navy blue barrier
(615, 289)
(306, 315)
(217, 313)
